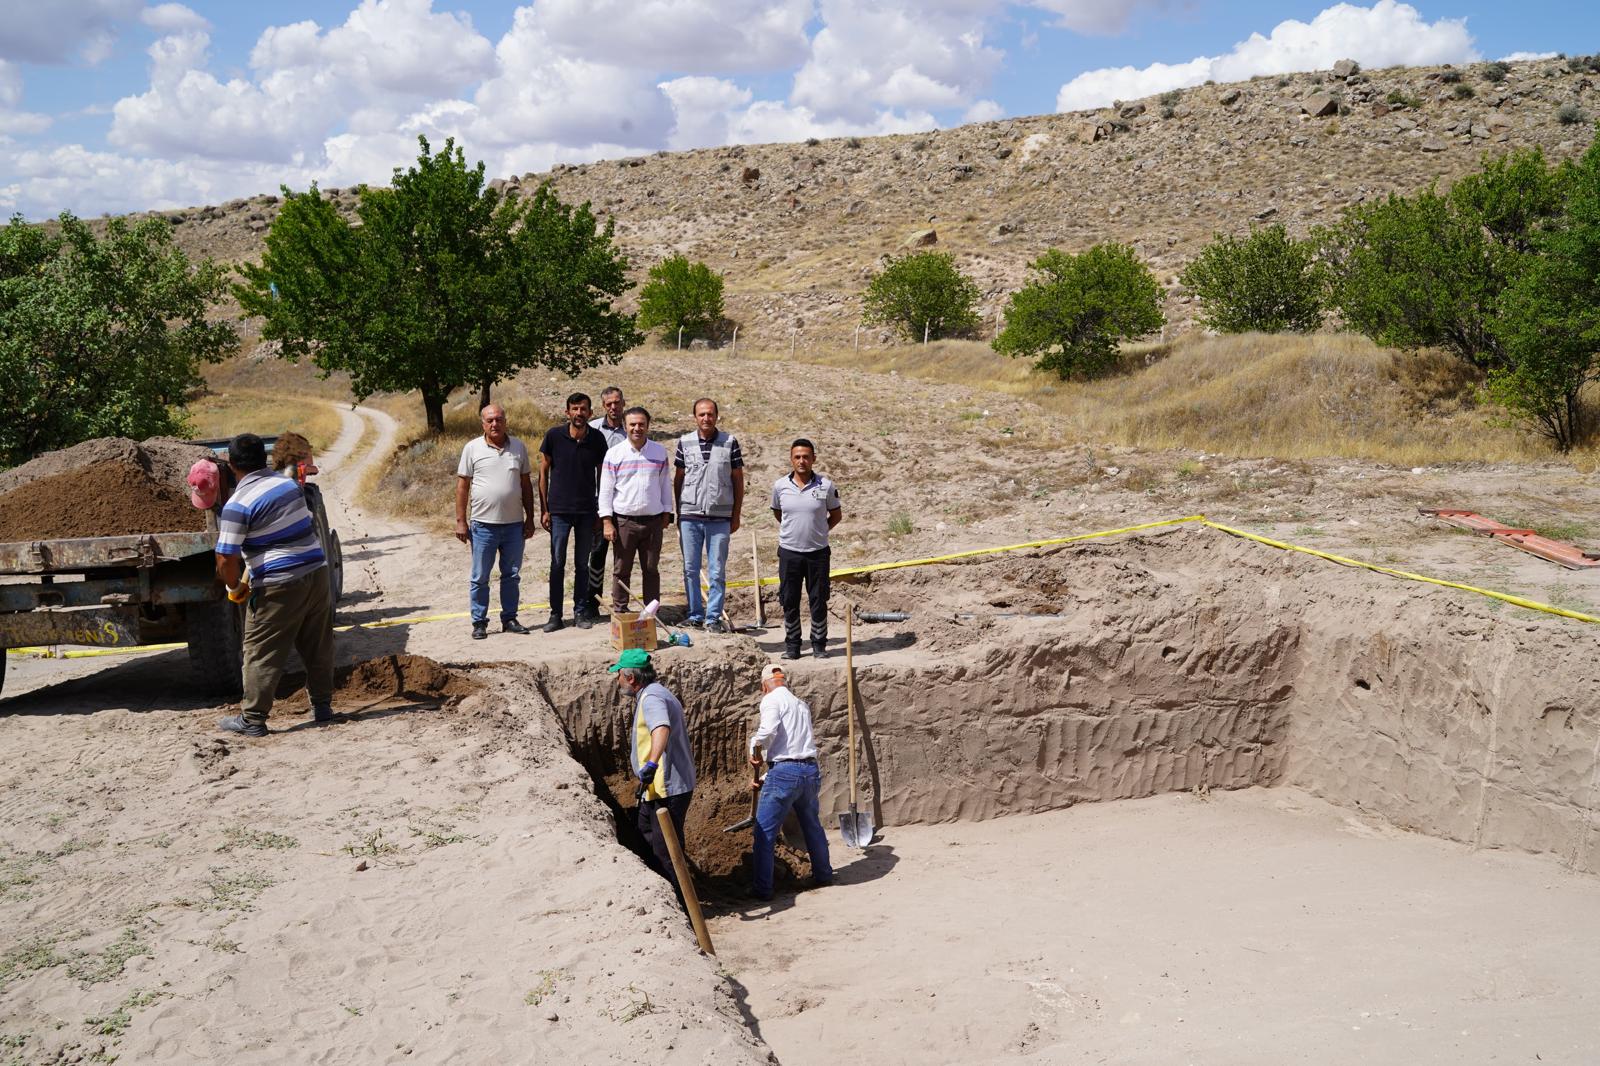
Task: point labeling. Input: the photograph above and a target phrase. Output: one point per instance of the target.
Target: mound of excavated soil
(394, 676)
(107, 487)
(110, 499)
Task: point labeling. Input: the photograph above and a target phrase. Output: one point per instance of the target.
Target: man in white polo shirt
(806, 505)
(635, 506)
(792, 780)
(494, 479)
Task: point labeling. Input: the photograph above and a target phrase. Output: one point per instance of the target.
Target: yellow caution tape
(1532, 605)
(1519, 601)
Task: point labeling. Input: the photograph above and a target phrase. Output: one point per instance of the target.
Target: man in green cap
(660, 755)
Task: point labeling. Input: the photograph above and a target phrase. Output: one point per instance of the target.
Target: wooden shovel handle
(850, 700)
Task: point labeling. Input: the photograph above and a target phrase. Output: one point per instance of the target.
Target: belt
(641, 517)
(773, 762)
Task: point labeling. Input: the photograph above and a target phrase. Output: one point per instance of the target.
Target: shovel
(755, 798)
(855, 827)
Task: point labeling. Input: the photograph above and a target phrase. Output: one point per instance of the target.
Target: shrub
(1396, 98)
(1450, 77)
(1463, 91)
(1569, 114)
(1071, 315)
(1171, 97)
(681, 295)
(1267, 282)
(1496, 72)
(922, 295)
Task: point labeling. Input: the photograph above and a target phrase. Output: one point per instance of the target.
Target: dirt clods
(108, 487)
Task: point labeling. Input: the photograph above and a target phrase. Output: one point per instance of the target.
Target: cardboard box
(630, 630)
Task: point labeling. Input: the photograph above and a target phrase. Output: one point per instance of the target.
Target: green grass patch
(92, 969)
(244, 837)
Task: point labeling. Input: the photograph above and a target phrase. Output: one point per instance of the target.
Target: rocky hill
(798, 228)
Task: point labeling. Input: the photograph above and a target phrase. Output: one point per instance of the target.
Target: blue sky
(113, 105)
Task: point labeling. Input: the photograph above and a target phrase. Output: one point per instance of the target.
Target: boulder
(1345, 67)
(1432, 144)
(1229, 98)
(923, 238)
(1319, 104)
(1131, 111)
(1088, 132)
(750, 174)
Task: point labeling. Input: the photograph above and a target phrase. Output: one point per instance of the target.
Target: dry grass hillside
(797, 228)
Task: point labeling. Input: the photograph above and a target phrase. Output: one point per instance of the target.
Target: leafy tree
(1070, 317)
(1549, 320)
(444, 283)
(922, 295)
(100, 336)
(681, 295)
(1267, 282)
(1427, 270)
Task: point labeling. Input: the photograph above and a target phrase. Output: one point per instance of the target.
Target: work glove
(647, 773)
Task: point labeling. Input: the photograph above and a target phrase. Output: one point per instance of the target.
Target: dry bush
(229, 411)
(1293, 397)
(1433, 382)
(418, 482)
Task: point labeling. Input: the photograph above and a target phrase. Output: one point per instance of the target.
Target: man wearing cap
(659, 755)
(791, 783)
(806, 505)
(267, 527)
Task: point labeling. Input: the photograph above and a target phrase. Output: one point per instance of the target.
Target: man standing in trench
(659, 755)
(494, 478)
(288, 604)
(791, 783)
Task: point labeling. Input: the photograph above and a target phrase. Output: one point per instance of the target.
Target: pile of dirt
(397, 676)
(110, 499)
(106, 487)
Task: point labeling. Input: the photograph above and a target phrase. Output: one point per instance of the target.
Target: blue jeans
(712, 536)
(489, 539)
(789, 785)
(580, 527)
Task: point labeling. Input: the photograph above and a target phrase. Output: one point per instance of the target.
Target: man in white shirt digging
(791, 783)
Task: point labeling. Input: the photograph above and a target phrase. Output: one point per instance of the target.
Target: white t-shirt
(496, 474)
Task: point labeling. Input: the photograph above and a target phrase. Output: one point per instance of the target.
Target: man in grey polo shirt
(494, 477)
(806, 505)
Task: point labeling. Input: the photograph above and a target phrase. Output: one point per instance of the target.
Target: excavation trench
(1174, 662)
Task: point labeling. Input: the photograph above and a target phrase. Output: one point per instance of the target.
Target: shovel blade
(856, 828)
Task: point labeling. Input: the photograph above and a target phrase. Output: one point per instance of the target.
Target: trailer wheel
(328, 537)
(3, 657)
(215, 632)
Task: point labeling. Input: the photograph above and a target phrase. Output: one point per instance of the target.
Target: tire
(329, 539)
(3, 657)
(215, 632)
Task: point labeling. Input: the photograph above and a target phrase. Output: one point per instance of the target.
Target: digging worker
(569, 487)
(610, 426)
(494, 478)
(267, 526)
(806, 505)
(635, 507)
(708, 485)
(791, 783)
(659, 755)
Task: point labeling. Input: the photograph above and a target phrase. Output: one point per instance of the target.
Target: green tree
(444, 283)
(101, 336)
(1428, 270)
(922, 295)
(1072, 314)
(1549, 316)
(681, 295)
(1268, 282)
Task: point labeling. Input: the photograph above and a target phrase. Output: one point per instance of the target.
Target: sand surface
(1256, 927)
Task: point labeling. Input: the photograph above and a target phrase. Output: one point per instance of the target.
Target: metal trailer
(148, 588)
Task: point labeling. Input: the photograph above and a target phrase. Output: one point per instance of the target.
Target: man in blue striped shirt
(267, 526)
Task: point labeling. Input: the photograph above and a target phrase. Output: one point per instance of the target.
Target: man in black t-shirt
(569, 490)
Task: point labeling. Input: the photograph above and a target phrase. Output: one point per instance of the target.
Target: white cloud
(983, 111)
(14, 120)
(1094, 16)
(680, 36)
(61, 30)
(896, 54)
(1518, 57)
(1386, 34)
(173, 18)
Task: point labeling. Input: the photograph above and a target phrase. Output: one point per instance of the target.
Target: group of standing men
(602, 482)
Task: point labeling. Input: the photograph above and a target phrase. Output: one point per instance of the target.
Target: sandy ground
(1255, 927)
(169, 895)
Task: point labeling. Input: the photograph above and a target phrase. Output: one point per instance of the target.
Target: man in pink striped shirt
(635, 506)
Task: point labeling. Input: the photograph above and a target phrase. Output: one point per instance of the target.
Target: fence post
(680, 338)
(735, 341)
(793, 335)
(925, 328)
(858, 338)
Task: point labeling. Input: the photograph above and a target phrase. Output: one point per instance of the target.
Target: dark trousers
(297, 616)
(597, 575)
(678, 810)
(641, 537)
(811, 568)
(579, 528)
